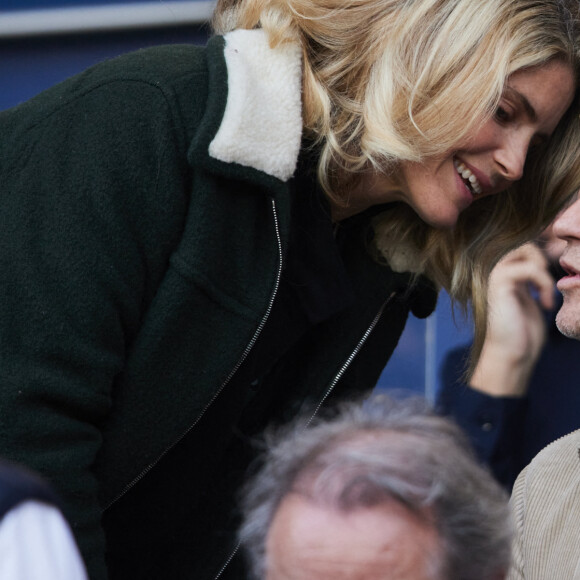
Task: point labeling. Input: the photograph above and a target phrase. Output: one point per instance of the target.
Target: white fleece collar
(262, 123)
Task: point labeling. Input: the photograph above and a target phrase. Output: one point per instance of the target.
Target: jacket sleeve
(493, 424)
(92, 203)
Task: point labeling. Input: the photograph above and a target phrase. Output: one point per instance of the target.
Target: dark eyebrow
(522, 99)
(530, 111)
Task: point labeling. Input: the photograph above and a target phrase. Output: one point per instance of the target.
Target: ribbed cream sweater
(546, 508)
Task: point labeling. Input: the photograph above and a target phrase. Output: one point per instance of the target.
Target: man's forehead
(307, 540)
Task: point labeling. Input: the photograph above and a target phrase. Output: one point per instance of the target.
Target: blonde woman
(198, 241)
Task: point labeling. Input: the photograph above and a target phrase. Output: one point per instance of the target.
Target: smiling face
(439, 188)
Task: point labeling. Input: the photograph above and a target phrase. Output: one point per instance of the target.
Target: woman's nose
(510, 157)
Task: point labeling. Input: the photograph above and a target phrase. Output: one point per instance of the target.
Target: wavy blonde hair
(387, 81)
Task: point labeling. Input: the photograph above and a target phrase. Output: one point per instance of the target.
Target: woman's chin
(441, 220)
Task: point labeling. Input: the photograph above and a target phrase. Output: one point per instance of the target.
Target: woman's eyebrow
(523, 101)
(529, 109)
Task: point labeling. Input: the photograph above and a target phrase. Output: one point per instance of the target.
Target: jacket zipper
(247, 350)
(331, 386)
(349, 360)
(227, 562)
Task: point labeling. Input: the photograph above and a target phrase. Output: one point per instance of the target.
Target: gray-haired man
(382, 491)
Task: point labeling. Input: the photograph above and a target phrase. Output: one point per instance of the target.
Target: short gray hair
(384, 449)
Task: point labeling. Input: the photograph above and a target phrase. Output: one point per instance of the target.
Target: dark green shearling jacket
(136, 269)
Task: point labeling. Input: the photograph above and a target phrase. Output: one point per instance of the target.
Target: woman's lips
(467, 195)
(468, 177)
(467, 172)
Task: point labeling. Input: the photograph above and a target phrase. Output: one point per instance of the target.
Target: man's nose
(567, 224)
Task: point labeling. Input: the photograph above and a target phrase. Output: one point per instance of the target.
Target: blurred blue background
(45, 41)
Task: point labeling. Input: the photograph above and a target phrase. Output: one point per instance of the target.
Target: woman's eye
(502, 115)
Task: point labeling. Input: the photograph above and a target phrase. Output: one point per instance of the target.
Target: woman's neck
(372, 189)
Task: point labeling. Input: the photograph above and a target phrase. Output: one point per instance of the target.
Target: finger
(521, 274)
(529, 251)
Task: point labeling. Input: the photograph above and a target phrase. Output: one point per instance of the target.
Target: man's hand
(519, 286)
